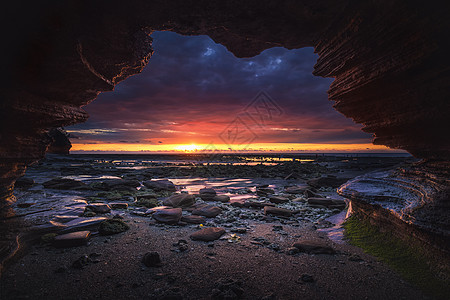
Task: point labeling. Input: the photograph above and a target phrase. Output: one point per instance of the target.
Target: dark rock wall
(389, 59)
(60, 141)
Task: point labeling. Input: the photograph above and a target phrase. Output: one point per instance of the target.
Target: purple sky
(193, 88)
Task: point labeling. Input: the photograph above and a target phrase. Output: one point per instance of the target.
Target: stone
(73, 239)
(207, 194)
(63, 184)
(193, 219)
(208, 211)
(307, 278)
(152, 259)
(327, 202)
(311, 194)
(208, 234)
(60, 141)
(313, 247)
(114, 183)
(221, 198)
(160, 185)
(147, 201)
(296, 189)
(118, 205)
(263, 192)
(99, 208)
(180, 200)
(278, 199)
(276, 211)
(112, 226)
(80, 223)
(256, 204)
(155, 209)
(168, 216)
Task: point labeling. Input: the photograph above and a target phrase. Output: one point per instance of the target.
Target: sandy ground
(117, 271)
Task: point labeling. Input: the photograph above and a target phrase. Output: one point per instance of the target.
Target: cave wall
(389, 60)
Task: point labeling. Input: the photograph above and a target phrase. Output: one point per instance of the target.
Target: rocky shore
(138, 229)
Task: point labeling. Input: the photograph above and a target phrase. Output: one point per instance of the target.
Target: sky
(195, 95)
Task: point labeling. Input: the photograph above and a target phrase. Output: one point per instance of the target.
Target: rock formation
(60, 141)
(389, 59)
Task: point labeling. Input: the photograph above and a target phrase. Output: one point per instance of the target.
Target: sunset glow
(209, 148)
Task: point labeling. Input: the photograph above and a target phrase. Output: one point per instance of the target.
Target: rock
(99, 208)
(147, 201)
(63, 184)
(228, 289)
(292, 251)
(327, 181)
(168, 216)
(276, 211)
(24, 182)
(207, 194)
(208, 234)
(239, 230)
(160, 185)
(221, 198)
(112, 226)
(255, 204)
(117, 184)
(327, 202)
(193, 219)
(278, 199)
(79, 223)
(182, 245)
(208, 211)
(313, 247)
(180, 200)
(60, 141)
(263, 192)
(311, 194)
(152, 259)
(237, 202)
(155, 209)
(307, 278)
(118, 205)
(73, 239)
(296, 189)
(25, 204)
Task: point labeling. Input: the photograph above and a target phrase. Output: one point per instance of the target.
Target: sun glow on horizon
(210, 148)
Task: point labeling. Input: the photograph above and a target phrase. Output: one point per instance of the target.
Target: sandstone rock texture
(389, 59)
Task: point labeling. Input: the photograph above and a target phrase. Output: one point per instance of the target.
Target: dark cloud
(193, 87)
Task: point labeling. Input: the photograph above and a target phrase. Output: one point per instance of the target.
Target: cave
(389, 61)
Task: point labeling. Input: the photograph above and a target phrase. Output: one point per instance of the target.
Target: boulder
(152, 259)
(208, 234)
(296, 189)
(73, 239)
(221, 198)
(112, 226)
(168, 216)
(276, 211)
(180, 200)
(278, 199)
(208, 211)
(264, 191)
(160, 185)
(118, 205)
(99, 208)
(193, 219)
(207, 194)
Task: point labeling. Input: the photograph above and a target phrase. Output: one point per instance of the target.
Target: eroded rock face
(409, 201)
(389, 60)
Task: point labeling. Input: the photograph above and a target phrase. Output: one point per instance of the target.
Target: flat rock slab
(63, 184)
(180, 200)
(278, 199)
(276, 211)
(73, 239)
(168, 216)
(327, 202)
(208, 234)
(99, 208)
(160, 185)
(193, 219)
(327, 181)
(81, 223)
(296, 189)
(255, 204)
(208, 211)
(313, 247)
(264, 191)
(118, 205)
(221, 198)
